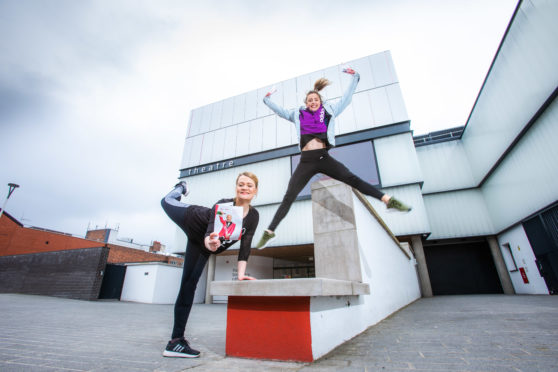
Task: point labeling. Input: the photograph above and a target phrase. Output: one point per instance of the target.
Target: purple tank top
(312, 122)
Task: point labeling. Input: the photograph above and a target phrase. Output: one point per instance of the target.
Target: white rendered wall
(524, 257)
(527, 180)
(458, 214)
(139, 287)
(523, 77)
(445, 167)
(380, 259)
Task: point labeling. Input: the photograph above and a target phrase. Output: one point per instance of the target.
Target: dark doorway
(542, 232)
(462, 268)
(113, 280)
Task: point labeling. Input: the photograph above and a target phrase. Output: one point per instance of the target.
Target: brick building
(40, 261)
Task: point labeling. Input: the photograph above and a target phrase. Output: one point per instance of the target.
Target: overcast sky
(95, 96)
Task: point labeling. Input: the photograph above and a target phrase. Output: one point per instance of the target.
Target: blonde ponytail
(320, 84)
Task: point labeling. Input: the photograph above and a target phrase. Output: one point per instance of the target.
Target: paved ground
(450, 333)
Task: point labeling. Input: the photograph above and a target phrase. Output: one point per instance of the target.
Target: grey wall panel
(256, 136)
(208, 148)
(396, 103)
(381, 109)
(397, 160)
(251, 105)
(239, 108)
(242, 139)
(517, 85)
(269, 140)
(296, 228)
(230, 142)
(227, 113)
(527, 180)
(216, 112)
(382, 69)
(458, 214)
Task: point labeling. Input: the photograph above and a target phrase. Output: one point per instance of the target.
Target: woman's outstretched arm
(280, 111)
(348, 94)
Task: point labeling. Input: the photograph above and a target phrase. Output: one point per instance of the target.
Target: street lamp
(12, 187)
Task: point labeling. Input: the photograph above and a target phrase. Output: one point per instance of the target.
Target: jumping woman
(315, 127)
(198, 224)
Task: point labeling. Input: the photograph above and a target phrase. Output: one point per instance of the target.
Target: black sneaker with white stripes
(180, 349)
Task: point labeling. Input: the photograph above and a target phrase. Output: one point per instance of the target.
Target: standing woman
(198, 223)
(315, 126)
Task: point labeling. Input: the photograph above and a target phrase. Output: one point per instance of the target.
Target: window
(358, 157)
(508, 257)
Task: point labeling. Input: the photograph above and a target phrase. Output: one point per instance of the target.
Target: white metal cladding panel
(296, 228)
(382, 69)
(413, 222)
(227, 113)
(527, 180)
(251, 111)
(381, 109)
(269, 140)
(273, 177)
(444, 167)
(242, 139)
(217, 109)
(362, 111)
(397, 160)
(458, 214)
(186, 153)
(262, 109)
(363, 67)
(284, 132)
(345, 123)
(192, 147)
(256, 135)
(207, 146)
(523, 76)
(230, 142)
(205, 124)
(333, 75)
(195, 122)
(303, 85)
(239, 103)
(219, 143)
(396, 103)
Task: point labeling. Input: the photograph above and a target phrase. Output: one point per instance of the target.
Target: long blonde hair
(320, 84)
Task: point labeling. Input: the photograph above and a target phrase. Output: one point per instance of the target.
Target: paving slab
(457, 333)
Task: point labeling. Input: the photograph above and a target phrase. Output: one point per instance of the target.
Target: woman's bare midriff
(314, 144)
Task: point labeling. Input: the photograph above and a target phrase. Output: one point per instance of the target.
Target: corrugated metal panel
(527, 180)
(397, 160)
(523, 76)
(458, 214)
(444, 167)
(413, 222)
(207, 188)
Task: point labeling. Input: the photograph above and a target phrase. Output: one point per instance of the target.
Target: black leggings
(194, 261)
(311, 163)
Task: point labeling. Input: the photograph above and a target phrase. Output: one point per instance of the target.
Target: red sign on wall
(524, 275)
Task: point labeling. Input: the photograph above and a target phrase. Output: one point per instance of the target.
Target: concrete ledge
(289, 287)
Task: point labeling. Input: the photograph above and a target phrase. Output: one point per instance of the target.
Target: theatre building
(484, 195)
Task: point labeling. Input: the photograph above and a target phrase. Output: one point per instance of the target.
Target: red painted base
(269, 328)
